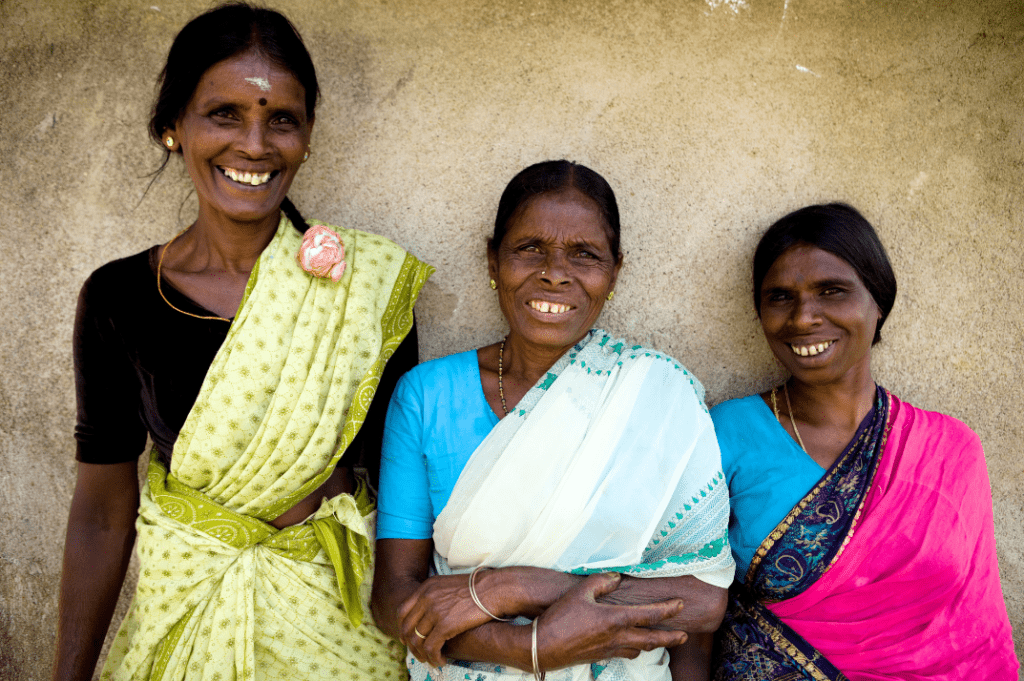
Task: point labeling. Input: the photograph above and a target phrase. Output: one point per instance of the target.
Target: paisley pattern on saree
(753, 643)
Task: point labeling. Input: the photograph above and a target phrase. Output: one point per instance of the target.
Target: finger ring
(417, 632)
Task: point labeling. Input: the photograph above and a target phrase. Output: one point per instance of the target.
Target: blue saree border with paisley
(753, 644)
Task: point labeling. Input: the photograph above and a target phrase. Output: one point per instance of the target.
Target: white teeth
(254, 179)
(551, 308)
(810, 350)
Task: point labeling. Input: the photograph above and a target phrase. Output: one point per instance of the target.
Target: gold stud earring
(611, 294)
(305, 157)
(169, 142)
(494, 285)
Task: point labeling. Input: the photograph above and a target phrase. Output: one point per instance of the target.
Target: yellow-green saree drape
(222, 594)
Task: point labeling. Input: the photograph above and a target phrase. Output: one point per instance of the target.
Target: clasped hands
(575, 627)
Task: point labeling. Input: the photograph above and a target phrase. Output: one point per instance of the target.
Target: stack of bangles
(537, 672)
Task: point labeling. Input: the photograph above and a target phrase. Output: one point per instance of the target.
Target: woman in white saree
(603, 469)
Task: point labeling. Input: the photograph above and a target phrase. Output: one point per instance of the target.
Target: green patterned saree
(222, 593)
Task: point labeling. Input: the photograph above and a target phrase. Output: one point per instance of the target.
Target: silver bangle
(476, 599)
(537, 673)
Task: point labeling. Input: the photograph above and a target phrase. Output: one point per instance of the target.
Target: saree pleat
(222, 594)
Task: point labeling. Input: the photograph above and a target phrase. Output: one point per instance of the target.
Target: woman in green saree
(249, 348)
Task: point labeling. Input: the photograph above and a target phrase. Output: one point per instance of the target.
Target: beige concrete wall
(711, 118)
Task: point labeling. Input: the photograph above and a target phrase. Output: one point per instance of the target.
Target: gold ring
(417, 631)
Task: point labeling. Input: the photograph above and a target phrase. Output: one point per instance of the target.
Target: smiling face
(243, 136)
(817, 316)
(554, 269)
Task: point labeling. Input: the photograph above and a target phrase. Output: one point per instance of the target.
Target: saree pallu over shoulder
(222, 594)
(755, 644)
(299, 366)
(908, 590)
(624, 475)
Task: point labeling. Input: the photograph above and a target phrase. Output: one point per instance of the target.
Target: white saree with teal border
(609, 463)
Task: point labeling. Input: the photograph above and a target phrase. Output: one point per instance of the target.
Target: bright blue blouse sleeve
(403, 505)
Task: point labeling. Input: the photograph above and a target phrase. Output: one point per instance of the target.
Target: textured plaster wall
(710, 118)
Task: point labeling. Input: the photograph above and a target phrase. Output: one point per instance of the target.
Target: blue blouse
(767, 473)
(437, 418)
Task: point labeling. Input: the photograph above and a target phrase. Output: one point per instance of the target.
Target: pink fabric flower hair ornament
(322, 254)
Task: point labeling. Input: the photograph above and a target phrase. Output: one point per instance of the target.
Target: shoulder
(618, 350)
(360, 240)
(117, 278)
(121, 271)
(457, 367)
(934, 430)
(740, 410)
(934, 419)
(440, 386)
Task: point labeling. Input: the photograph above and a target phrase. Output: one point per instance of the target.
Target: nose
(254, 140)
(555, 270)
(806, 312)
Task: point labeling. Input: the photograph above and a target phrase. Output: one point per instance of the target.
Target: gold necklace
(789, 405)
(501, 388)
(160, 290)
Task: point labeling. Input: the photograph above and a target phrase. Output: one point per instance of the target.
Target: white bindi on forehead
(259, 81)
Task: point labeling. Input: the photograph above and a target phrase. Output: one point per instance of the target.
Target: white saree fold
(609, 463)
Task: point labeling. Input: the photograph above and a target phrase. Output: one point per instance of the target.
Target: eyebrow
(819, 284)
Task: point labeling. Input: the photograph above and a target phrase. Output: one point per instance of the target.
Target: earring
(494, 285)
(611, 294)
(309, 150)
(169, 142)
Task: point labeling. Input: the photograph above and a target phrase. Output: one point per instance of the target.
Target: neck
(844, 403)
(528, 361)
(224, 246)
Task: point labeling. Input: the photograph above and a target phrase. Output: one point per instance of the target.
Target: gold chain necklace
(789, 405)
(501, 388)
(160, 290)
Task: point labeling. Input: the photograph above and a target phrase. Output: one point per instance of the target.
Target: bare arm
(692, 660)
(100, 536)
(704, 604)
(430, 614)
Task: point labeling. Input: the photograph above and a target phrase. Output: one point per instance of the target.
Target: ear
(171, 133)
(615, 275)
(492, 263)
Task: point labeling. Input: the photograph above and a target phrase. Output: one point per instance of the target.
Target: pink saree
(912, 591)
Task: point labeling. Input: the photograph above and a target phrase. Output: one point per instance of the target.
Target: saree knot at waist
(222, 594)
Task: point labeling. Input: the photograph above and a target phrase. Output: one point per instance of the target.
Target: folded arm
(584, 619)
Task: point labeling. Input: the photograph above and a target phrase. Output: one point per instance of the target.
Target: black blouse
(139, 365)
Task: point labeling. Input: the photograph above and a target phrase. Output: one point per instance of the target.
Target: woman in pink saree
(861, 526)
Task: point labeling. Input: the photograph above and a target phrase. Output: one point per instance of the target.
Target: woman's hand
(704, 603)
(442, 608)
(577, 628)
